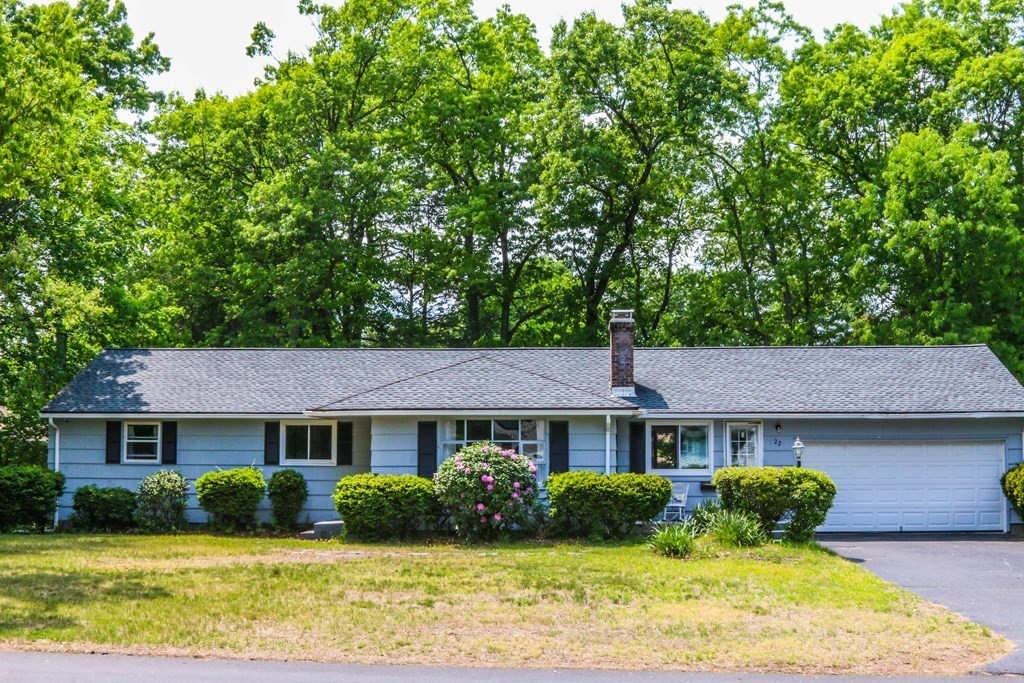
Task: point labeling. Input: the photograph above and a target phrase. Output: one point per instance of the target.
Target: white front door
(912, 486)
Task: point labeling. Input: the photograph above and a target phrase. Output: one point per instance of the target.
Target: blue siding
(203, 445)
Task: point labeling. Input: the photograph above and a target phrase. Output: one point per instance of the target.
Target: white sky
(206, 39)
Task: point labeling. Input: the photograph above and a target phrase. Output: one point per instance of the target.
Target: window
(680, 447)
(142, 442)
(307, 443)
(743, 444)
(525, 437)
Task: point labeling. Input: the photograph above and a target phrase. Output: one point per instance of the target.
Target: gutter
(56, 467)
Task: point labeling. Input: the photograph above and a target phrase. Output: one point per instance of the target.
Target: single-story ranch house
(916, 438)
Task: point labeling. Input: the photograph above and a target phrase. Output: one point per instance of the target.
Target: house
(915, 437)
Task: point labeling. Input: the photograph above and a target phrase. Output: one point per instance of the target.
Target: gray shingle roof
(712, 380)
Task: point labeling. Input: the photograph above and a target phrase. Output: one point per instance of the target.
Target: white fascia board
(827, 416)
(177, 416)
(625, 412)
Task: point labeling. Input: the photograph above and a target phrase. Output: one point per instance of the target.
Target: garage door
(911, 486)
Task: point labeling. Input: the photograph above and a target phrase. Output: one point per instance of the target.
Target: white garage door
(912, 486)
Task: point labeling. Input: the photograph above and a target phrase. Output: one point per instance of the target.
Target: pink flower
(483, 520)
(515, 484)
(480, 506)
(533, 468)
(515, 494)
(490, 487)
(529, 489)
(497, 517)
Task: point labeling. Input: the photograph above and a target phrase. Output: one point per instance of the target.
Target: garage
(913, 486)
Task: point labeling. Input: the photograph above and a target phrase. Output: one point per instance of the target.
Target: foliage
(487, 491)
(702, 516)
(609, 505)
(1013, 487)
(28, 497)
(161, 500)
(735, 528)
(231, 497)
(769, 493)
(671, 540)
(383, 507)
(288, 492)
(98, 508)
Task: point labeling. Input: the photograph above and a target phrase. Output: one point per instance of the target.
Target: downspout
(56, 466)
(607, 444)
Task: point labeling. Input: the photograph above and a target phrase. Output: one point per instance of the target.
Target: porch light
(798, 450)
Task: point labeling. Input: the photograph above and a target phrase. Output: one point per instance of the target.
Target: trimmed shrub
(104, 509)
(735, 528)
(1013, 486)
(288, 492)
(672, 540)
(231, 497)
(161, 501)
(607, 505)
(380, 507)
(28, 497)
(768, 493)
(487, 491)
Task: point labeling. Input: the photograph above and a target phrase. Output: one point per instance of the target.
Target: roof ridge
(398, 381)
(613, 399)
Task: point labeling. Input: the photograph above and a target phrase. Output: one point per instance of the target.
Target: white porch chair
(675, 511)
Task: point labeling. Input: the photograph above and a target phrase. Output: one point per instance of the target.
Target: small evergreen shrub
(28, 497)
(161, 501)
(231, 497)
(768, 493)
(487, 491)
(104, 508)
(736, 529)
(672, 540)
(288, 492)
(379, 507)
(606, 505)
(1013, 486)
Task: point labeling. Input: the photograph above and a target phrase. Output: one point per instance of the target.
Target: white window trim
(333, 462)
(125, 460)
(687, 471)
(727, 440)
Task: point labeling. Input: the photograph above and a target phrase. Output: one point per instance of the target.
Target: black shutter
(637, 447)
(344, 443)
(426, 449)
(558, 442)
(114, 442)
(271, 443)
(169, 443)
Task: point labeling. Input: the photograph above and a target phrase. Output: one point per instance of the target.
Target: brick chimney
(620, 334)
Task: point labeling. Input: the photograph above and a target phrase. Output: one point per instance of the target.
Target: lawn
(775, 608)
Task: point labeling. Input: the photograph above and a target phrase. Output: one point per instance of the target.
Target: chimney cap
(624, 315)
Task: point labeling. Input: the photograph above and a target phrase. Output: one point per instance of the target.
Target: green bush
(488, 491)
(28, 497)
(1013, 486)
(104, 509)
(231, 497)
(703, 516)
(769, 493)
(380, 507)
(161, 501)
(288, 492)
(672, 540)
(735, 528)
(607, 505)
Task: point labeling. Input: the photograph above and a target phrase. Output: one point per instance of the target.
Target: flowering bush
(487, 490)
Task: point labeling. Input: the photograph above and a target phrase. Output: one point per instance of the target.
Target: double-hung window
(141, 442)
(525, 437)
(743, 444)
(308, 443)
(680, 448)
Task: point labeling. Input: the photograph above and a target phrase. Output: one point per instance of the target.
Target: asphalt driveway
(978, 575)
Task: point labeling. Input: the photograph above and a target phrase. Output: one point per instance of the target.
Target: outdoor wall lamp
(798, 450)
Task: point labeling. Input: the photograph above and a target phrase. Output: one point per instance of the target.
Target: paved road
(978, 575)
(41, 667)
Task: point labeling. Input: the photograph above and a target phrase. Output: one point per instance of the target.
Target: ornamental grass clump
(487, 490)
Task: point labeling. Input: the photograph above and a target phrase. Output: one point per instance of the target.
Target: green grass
(774, 608)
